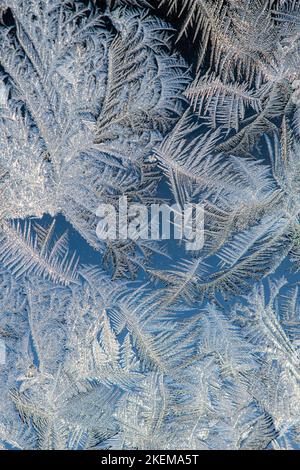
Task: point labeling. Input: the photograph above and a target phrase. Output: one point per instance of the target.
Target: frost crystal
(97, 104)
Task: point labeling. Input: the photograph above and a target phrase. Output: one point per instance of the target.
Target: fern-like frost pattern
(97, 103)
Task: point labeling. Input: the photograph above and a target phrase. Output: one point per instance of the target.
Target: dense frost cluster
(96, 102)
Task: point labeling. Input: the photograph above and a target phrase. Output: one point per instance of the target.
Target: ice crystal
(96, 102)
